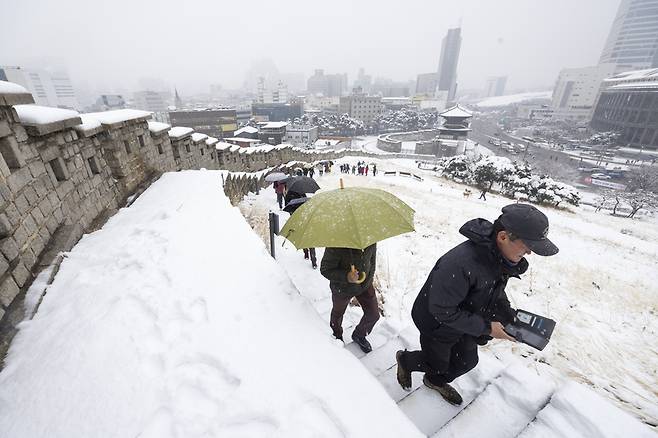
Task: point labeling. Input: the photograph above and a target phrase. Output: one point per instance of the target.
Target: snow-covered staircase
(512, 397)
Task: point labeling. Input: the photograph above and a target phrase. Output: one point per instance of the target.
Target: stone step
(506, 406)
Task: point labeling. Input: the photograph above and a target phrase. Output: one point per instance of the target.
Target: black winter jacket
(466, 289)
(336, 263)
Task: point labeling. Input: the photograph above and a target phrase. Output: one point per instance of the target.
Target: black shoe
(339, 337)
(404, 375)
(305, 257)
(315, 266)
(363, 343)
(448, 393)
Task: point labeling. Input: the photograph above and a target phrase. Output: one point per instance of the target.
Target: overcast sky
(194, 43)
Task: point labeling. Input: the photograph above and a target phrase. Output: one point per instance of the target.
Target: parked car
(601, 176)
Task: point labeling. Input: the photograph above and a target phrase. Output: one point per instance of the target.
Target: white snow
(246, 129)
(513, 98)
(174, 321)
(12, 88)
(210, 141)
(275, 125)
(456, 111)
(88, 124)
(42, 115)
(120, 115)
(157, 127)
(197, 136)
(180, 131)
(222, 146)
(600, 288)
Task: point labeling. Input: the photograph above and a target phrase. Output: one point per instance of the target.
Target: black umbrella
(294, 204)
(302, 184)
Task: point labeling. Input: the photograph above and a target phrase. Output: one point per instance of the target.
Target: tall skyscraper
(633, 38)
(448, 62)
(495, 86)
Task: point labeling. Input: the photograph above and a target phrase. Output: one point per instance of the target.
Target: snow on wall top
(89, 125)
(42, 115)
(197, 136)
(11, 88)
(158, 127)
(211, 141)
(222, 146)
(119, 116)
(180, 132)
(115, 352)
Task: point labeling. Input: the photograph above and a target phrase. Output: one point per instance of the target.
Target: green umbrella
(353, 217)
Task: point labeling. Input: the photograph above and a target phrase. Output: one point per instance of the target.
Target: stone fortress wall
(63, 174)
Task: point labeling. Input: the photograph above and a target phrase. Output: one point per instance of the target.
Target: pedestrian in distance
(308, 252)
(463, 302)
(374, 170)
(279, 189)
(366, 170)
(311, 172)
(350, 273)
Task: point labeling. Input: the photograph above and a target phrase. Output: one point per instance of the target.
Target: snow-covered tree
(458, 167)
(491, 170)
(405, 120)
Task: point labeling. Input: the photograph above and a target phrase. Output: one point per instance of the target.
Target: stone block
(37, 168)
(20, 274)
(8, 291)
(5, 226)
(12, 214)
(20, 133)
(28, 258)
(37, 215)
(2, 313)
(19, 179)
(21, 204)
(5, 130)
(9, 248)
(4, 265)
(31, 195)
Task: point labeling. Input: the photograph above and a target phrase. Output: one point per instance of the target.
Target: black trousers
(311, 252)
(444, 356)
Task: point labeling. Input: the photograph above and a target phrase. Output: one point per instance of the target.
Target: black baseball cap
(530, 225)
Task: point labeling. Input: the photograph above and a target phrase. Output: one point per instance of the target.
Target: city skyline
(519, 40)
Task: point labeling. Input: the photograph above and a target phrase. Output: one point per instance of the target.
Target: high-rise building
(576, 91)
(448, 61)
(48, 88)
(426, 83)
(268, 95)
(360, 106)
(363, 80)
(218, 122)
(633, 38)
(327, 85)
(495, 86)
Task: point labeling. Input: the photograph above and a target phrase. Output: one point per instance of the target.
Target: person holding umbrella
(350, 273)
(277, 180)
(463, 302)
(349, 260)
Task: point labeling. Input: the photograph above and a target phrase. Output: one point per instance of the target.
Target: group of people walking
(461, 305)
(361, 168)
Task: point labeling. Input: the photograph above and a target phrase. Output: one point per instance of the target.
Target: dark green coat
(337, 262)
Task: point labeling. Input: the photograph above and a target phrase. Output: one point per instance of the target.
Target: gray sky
(197, 42)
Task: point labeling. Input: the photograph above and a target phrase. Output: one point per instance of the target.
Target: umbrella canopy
(354, 217)
(276, 176)
(302, 184)
(292, 205)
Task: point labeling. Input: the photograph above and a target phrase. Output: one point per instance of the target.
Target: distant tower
(447, 71)
(177, 101)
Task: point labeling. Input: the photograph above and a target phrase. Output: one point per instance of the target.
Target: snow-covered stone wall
(63, 174)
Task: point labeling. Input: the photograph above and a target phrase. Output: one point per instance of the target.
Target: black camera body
(531, 329)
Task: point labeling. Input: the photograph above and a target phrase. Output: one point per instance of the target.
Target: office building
(633, 38)
(218, 123)
(327, 85)
(277, 112)
(48, 88)
(426, 84)
(361, 106)
(495, 86)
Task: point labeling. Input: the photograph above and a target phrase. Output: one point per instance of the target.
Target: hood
(479, 231)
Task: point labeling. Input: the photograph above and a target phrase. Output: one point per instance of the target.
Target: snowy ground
(173, 321)
(601, 287)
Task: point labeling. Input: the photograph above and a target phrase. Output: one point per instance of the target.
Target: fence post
(274, 229)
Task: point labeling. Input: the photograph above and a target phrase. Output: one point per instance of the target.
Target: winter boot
(363, 343)
(448, 393)
(404, 375)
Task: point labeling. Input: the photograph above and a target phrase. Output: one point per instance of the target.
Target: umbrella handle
(362, 276)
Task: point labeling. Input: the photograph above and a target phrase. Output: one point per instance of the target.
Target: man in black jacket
(346, 283)
(463, 302)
